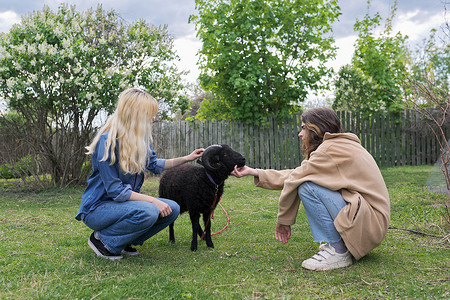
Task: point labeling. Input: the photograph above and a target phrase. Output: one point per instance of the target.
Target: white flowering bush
(58, 70)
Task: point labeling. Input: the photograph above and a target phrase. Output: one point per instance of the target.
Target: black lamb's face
(221, 159)
(230, 158)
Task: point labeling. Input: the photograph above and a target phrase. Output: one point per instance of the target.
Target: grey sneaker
(327, 259)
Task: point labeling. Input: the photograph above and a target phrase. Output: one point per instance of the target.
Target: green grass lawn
(44, 252)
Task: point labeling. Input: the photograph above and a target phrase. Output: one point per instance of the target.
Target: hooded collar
(347, 135)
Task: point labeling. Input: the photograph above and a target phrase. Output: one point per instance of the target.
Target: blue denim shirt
(108, 183)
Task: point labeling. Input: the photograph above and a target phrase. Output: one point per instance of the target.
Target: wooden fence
(392, 141)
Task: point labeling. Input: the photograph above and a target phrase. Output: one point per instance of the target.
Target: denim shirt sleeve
(115, 188)
(155, 165)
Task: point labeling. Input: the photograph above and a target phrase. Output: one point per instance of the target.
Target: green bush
(6, 172)
(22, 167)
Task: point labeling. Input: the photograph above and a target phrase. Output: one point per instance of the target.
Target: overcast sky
(414, 18)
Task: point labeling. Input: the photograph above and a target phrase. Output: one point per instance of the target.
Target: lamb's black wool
(195, 191)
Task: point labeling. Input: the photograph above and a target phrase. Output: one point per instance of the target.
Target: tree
(197, 97)
(432, 60)
(58, 70)
(432, 103)
(374, 79)
(260, 58)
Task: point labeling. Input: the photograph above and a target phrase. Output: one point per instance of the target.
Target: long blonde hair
(131, 126)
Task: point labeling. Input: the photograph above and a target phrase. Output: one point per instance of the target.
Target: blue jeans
(321, 206)
(128, 223)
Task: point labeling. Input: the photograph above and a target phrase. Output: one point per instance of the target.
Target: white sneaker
(327, 259)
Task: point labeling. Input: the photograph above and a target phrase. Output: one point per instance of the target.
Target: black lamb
(198, 189)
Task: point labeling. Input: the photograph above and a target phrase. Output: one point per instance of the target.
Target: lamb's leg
(171, 233)
(200, 231)
(195, 217)
(207, 237)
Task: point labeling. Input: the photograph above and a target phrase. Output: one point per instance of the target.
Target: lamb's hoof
(210, 245)
(193, 247)
(172, 241)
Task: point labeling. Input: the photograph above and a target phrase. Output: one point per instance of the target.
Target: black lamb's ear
(210, 157)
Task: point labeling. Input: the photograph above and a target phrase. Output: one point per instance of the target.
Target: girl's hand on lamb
(195, 154)
(282, 233)
(244, 171)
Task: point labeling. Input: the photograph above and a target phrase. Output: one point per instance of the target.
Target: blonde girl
(112, 205)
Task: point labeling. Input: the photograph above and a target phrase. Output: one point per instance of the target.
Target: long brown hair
(318, 121)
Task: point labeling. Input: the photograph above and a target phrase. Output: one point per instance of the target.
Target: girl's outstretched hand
(244, 171)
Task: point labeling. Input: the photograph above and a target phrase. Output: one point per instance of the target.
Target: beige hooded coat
(340, 163)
